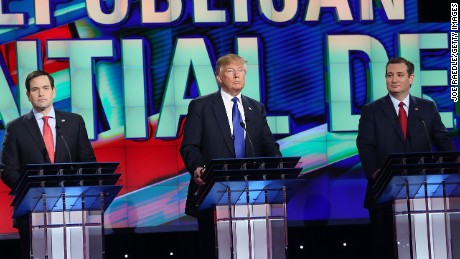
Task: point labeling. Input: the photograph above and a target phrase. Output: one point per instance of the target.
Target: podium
(424, 189)
(65, 204)
(249, 197)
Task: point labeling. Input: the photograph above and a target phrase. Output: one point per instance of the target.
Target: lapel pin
(416, 108)
(63, 120)
(250, 108)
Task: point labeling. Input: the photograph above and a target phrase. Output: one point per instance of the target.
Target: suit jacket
(380, 133)
(207, 135)
(23, 144)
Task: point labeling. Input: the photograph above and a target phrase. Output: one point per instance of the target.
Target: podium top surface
(255, 162)
(275, 159)
(50, 168)
(90, 181)
(255, 167)
(257, 175)
(417, 170)
(90, 170)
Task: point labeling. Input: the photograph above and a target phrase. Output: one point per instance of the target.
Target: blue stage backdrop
(130, 68)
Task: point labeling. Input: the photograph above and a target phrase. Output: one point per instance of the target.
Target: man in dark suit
(209, 133)
(395, 123)
(24, 142)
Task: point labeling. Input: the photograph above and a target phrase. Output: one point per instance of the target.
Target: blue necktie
(238, 131)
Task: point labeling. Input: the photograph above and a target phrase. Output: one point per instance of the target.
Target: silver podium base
(428, 228)
(251, 231)
(66, 235)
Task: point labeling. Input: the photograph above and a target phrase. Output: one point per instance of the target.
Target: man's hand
(197, 176)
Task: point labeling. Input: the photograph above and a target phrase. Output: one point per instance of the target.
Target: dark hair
(401, 60)
(38, 73)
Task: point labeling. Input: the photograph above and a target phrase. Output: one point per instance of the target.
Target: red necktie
(48, 138)
(403, 118)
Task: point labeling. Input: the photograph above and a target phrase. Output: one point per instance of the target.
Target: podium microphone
(59, 132)
(249, 137)
(426, 133)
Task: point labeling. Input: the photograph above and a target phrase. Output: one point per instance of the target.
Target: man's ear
(219, 79)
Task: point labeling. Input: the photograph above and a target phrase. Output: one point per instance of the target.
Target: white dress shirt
(396, 104)
(228, 103)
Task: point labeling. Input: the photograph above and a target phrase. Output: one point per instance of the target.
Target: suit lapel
(393, 117)
(60, 148)
(248, 115)
(32, 126)
(414, 116)
(222, 120)
(248, 109)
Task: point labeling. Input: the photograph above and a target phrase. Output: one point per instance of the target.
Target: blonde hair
(227, 59)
